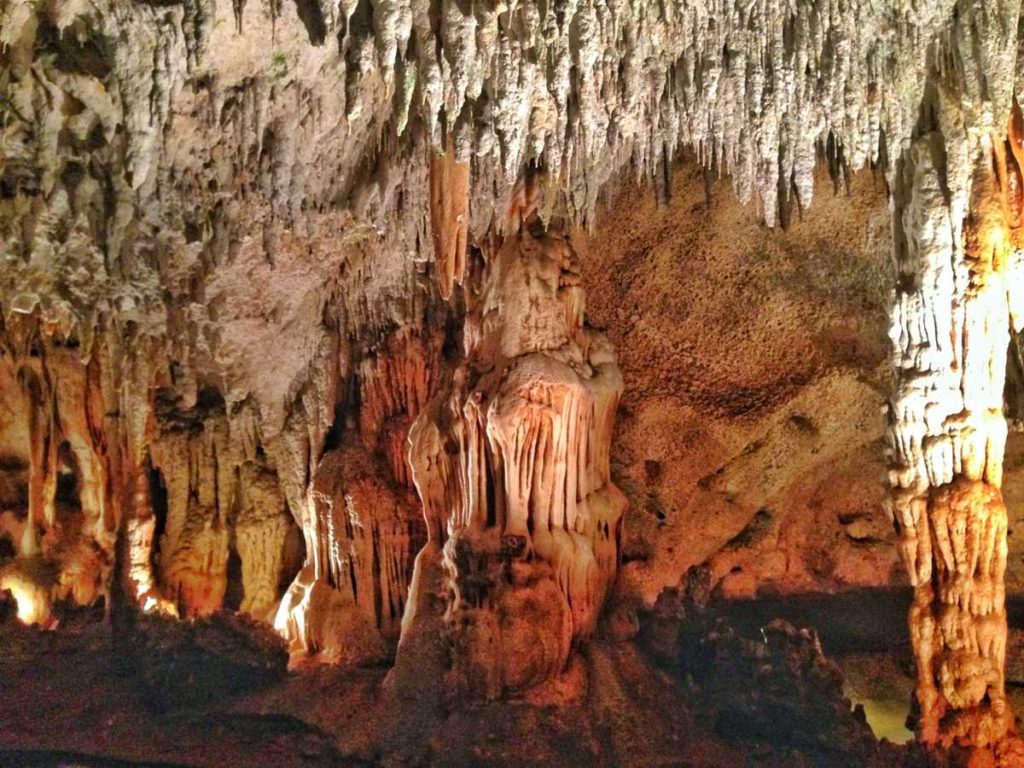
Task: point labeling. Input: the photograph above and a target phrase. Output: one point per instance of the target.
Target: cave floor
(68, 699)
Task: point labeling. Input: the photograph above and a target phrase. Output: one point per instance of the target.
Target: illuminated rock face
(72, 447)
(512, 465)
(222, 501)
(957, 235)
(92, 454)
(361, 520)
(960, 218)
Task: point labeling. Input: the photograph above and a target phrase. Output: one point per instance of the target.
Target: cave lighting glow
(32, 605)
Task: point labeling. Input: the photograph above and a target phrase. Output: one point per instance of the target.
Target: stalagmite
(512, 465)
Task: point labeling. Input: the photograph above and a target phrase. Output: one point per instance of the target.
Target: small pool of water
(888, 719)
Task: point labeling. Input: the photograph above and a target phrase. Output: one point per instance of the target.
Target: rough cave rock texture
(245, 247)
(958, 293)
(361, 518)
(755, 365)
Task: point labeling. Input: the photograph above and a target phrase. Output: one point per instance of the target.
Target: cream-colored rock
(950, 332)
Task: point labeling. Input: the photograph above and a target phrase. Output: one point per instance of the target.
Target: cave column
(120, 417)
(950, 330)
(42, 483)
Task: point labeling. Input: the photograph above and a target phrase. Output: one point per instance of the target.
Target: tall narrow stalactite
(957, 228)
(449, 218)
(512, 465)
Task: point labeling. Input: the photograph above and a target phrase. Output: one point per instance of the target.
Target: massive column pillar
(954, 227)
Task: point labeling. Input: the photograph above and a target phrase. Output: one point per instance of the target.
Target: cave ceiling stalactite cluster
(287, 297)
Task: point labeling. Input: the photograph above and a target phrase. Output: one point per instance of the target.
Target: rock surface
(755, 369)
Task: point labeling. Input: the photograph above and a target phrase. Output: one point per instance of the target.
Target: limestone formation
(958, 227)
(75, 448)
(512, 465)
(362, 523)
(267, 267)
(222, 501)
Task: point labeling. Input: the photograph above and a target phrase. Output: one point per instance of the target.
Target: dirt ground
(76, 697)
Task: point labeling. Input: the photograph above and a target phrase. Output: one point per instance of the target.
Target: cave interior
(511, 382)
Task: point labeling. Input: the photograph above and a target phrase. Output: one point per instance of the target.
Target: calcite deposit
(293, 324)
(512, 463)
(362, 523)
(951, 326)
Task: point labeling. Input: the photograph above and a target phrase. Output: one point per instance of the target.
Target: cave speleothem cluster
(293, 324)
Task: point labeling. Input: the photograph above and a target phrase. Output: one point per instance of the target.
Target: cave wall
(755, 365)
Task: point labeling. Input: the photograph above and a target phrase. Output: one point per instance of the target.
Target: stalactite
(140, 532)
(512, 466)
(449, 218)
(261, 526)
(137, 242)
(395, 384)
(82, 436)
(194, 546)
(346, 603)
